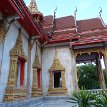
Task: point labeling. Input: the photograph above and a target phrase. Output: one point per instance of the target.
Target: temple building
(38, 54)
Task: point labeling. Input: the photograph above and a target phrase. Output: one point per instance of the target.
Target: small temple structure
(38, 54)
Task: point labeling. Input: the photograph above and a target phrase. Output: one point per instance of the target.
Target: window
(57, 79)
(39, 78)
(20, 72)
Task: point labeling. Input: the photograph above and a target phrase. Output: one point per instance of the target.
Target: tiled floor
(55, 105)
(59, 105)
(64, 104)
(41, 102)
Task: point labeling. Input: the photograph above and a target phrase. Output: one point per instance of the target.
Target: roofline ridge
(88, 19)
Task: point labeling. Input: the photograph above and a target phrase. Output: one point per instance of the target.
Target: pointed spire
(34, 11)
(36, 63)
(33, 7)
(18, 50)
(56, 63)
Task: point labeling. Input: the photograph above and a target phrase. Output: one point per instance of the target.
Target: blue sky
(85, 8)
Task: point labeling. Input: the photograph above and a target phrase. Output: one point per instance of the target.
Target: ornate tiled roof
(90, 40)
(47, 21)
(65, 22)
(61, 23)
(64, 29)
(90, 24)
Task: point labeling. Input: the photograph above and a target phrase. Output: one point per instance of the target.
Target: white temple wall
(25, 47)
(8, 45)
(64, 55)
(33, 51)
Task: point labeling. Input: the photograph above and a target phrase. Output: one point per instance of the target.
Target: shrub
(83, 98)
(101, 101)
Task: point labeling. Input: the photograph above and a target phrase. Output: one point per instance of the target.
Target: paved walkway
(57, 105)
(53, 105)
(41, 102)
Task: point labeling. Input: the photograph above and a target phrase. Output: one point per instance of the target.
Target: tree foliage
(88, 77)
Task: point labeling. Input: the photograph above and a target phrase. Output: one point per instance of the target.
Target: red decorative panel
(38, 78)
(22, 66)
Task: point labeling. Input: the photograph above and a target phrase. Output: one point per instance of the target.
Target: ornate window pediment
(17, 50)
(56, 65)
(36, 63)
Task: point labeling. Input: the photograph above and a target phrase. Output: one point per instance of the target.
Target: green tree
(88, 77)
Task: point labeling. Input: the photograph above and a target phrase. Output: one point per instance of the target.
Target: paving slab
(53, 101)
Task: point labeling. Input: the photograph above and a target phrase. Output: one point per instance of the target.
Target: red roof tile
(90, 40)
(64, 36)
(65, 22)
(89, 24)
(61, 23)
(48, 21)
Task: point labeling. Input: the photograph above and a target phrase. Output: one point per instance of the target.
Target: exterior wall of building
(64, 55)
(46, 59)
(8, 45)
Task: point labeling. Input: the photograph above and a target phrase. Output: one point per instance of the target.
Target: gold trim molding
(15, 94)
(89, 51)
(99, 50)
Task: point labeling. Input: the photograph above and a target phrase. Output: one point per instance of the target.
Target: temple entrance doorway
(93, 62)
